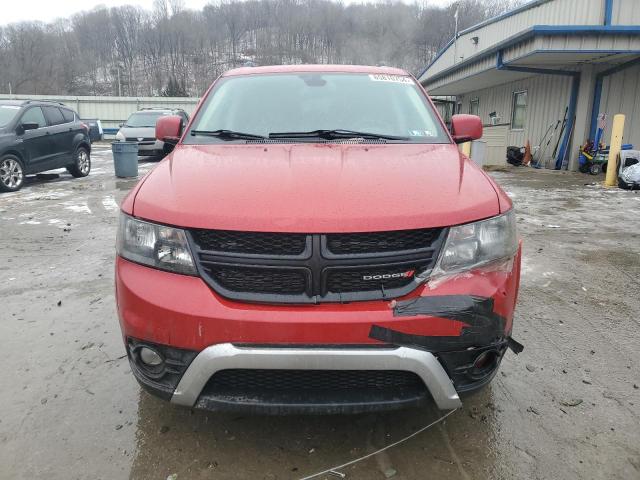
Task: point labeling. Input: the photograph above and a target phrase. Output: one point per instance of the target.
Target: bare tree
(127, 24)
(130, 51)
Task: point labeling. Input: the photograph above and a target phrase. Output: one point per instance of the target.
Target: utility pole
(455, 37)
(119, 84)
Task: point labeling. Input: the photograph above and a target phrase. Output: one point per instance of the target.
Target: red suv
(316, 243)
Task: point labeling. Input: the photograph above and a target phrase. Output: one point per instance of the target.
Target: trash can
(125, 159)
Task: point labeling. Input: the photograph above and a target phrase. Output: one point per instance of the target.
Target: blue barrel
(125, 159)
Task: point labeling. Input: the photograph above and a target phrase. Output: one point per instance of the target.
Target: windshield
(386, 105)
(144, 119)
(7, 112)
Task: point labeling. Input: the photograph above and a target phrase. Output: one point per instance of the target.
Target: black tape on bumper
(483, 325)
(514, 346)
(465, 308)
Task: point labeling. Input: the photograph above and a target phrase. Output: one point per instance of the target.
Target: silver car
(141, 127)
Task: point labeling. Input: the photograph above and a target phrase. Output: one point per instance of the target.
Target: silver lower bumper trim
(227, 356)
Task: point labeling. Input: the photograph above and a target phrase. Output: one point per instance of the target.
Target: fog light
(484, 363)
(149, 357)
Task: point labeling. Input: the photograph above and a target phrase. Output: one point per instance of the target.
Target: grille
(314, 268)
(135, 139)
(312, 380)
(341, 281)
(359, 243)
(250, 242)
(266, 280)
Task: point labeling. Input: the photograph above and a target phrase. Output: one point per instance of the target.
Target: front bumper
(182, 312)
(228, 356)
(150, 148)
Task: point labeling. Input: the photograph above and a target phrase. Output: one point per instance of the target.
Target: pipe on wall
(608, 11)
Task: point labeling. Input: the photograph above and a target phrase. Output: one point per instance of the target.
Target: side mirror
(465, 128)
(169, 129)
(29, 126)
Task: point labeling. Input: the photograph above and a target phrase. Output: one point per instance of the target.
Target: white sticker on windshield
(382, 77)
(421, 133)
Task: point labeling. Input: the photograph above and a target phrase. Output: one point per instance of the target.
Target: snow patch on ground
(84, 208)
(110, 204)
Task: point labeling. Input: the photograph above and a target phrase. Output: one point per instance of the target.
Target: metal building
(534, 67)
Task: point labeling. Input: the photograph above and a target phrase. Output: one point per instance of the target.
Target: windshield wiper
(336, 134)
(227, 134)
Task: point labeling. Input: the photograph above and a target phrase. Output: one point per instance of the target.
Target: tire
(11, 174)
(82, 163)
(595, 169)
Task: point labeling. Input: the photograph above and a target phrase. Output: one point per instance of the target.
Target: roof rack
(161, 108)
(26, 102)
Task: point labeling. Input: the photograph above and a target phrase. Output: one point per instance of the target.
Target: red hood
(315, 188)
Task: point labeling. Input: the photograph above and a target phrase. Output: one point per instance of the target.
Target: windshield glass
(7, 112)
(144, 119)
(390, 105)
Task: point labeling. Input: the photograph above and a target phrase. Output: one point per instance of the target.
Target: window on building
(474, 107)
(519, 111)
(459, 107)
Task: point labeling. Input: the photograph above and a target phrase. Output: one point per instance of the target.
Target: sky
(47, 10)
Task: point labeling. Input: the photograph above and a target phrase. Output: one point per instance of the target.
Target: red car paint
(328, 188)
(194, 317)
(349, 188)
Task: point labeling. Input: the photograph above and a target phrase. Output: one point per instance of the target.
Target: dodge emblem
(387, 276)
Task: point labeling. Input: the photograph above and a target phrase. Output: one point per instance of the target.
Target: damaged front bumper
(328, 358)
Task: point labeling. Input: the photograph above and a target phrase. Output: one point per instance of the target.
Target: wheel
(595, 169)
(11, 174)
(82, 164)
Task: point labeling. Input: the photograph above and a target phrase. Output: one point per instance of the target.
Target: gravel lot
(567, 407)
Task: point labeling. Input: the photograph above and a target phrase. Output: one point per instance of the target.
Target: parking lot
(567, 407)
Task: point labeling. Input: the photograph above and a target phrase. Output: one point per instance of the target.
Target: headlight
(154, 245)
(120, 136)
(476, 244)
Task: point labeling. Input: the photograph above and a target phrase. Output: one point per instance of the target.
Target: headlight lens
(476, 244)
(120, 136)
(154, 245)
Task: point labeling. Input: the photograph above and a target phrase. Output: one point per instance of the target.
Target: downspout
(597, 94)
(608, 11)
(597, 91)
(573, 101)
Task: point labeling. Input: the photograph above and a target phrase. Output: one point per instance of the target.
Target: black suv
(36, 136)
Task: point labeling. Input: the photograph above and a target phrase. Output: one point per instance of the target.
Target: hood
(135, 132)
(315, 188)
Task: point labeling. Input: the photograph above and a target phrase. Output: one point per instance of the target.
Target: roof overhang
(539, 47)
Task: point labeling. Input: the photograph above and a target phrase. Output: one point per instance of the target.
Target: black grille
(375, 242)
(314, 268)
(254, 243)
(370, 279)
(266, 280)
(311, 380)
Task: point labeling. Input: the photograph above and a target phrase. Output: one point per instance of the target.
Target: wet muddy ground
(567, 407)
